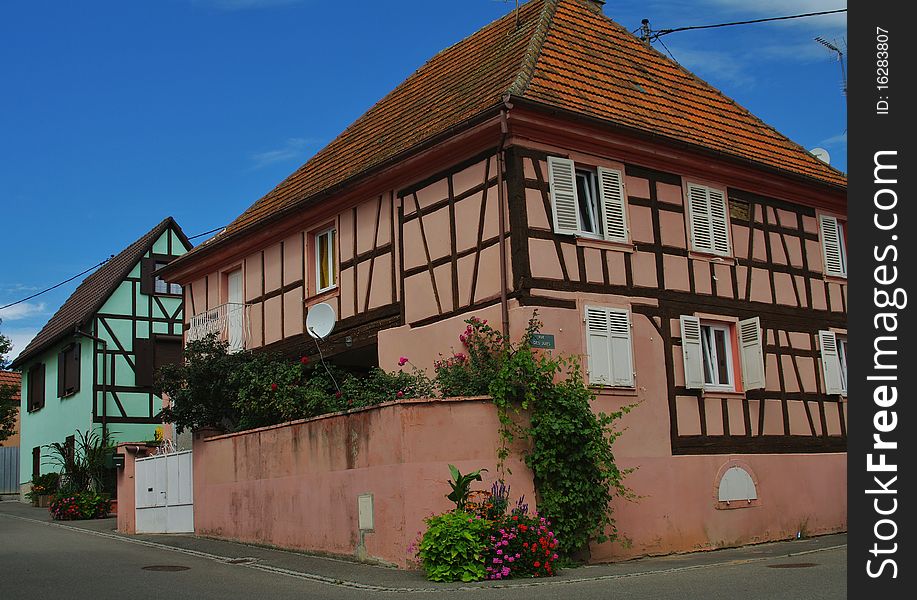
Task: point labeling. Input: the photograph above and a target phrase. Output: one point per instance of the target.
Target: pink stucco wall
(296, 485)
(127, 494)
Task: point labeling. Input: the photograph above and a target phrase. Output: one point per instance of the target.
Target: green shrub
(453, 547)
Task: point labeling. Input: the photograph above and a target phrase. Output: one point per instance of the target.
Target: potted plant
(43, 488)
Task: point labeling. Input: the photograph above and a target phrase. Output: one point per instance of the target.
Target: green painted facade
(109, 395)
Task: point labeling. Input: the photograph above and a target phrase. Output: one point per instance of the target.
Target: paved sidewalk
(353, 574)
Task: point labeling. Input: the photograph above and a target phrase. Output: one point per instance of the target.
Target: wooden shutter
(598, 346)
(831, 246)
(62, 374)
(692, 352)
(830, 362)
(147, 285)
(621, 351)
(72, 382)
(699, 213)
(143, 362)
(37, 387)
(36, 462)
(719, 221)
(614, 204)
(562, 180)
(751, 348)
(168, 352)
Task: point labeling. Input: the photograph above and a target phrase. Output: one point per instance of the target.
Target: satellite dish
(821, 154)
(320, 320)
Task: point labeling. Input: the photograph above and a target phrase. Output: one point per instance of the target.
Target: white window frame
(710, 358)
(332, 254)
(160, 287)
(607, 204)
(617, 342)
(831, 231)
(703, 220)
(842, 360)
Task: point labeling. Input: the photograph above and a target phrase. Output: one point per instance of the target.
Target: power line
(57, 285)
(657, 34)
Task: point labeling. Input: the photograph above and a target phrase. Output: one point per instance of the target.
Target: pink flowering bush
(83, 505)
(470, 371)
(521, 545)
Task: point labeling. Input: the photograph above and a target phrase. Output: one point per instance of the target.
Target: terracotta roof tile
(12, 378)
(92, 293)
(564, 55)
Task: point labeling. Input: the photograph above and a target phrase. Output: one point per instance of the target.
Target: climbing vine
(570, 445)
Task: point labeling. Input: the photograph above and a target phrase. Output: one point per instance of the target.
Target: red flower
(273, 387)
(304, 360)
(537, 564)
(400, 394)
(338, 394)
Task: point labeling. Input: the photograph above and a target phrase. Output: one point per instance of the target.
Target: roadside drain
(801, 565)
(165, 568)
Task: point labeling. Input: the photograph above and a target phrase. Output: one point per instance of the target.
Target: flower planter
(44, 501)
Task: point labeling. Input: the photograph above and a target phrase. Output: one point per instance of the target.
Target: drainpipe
(501, 200)
(78, 333)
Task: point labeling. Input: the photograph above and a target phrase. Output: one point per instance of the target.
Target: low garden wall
(298, 485)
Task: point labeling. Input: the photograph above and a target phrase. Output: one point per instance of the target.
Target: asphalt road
(43, 560)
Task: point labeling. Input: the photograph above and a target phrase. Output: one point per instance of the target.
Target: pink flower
(402, 361)
(400, 394)
(338, 394)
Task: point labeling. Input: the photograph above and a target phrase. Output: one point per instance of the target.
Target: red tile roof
(563, 54)
(92, 293)
(12, 378)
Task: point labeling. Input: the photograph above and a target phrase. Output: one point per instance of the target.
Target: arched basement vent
(737, 484)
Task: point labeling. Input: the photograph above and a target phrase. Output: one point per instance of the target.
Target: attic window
(151, 284)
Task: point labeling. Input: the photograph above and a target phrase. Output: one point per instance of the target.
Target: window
(36, 379)
(709, 350)
(151, 355)
(834, 245)
(609, 347)
(151, 284)
(161, 287)
(709, 221)
(325, 261)
(717, 350)
(834, 361)
(587, 202)
(68, 371)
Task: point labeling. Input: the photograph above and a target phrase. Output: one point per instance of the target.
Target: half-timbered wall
(129, 320)
(773, 272)
(450, 235)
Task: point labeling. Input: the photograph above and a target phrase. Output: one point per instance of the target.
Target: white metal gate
(165, 499)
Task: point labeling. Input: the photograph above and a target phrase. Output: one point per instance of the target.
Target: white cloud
(835, 141)
(293, 148)
(20, 339)
(23, 310)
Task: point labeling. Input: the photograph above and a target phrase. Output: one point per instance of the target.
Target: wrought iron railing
(230, 322)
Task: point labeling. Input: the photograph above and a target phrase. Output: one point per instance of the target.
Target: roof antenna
(645, 32)
(840, 59)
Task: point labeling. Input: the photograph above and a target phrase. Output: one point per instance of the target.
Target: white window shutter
(614, 204)
(831, 246)
(830, 362)
(719, 221)
(751, 348)
(622, 359)
(598, 346)
(699, 214)
(562, 180)
(692, 351)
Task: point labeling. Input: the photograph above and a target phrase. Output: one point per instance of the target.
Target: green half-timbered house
(92, 365)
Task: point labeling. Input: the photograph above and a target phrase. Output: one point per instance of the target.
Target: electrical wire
(663, 32)
(57, 285)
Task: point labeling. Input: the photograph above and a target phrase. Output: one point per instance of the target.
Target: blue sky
(116, 114)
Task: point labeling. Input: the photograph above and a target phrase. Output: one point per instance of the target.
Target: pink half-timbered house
(691, 254)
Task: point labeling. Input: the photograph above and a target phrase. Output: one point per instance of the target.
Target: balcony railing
(230, 322)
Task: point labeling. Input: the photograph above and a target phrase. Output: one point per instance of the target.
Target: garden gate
(165, 499)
